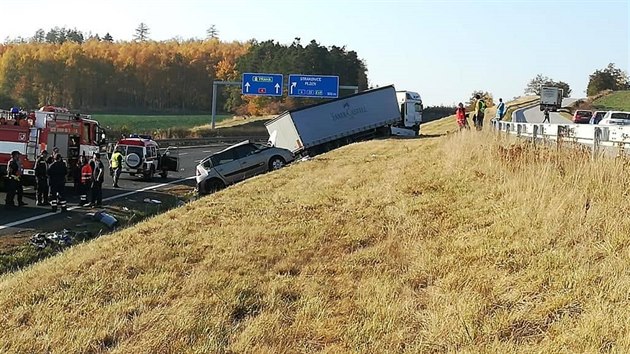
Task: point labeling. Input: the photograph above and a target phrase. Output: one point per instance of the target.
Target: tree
(609, 78)
(108, 37)
(40, 36)
(533, 87)
(142, 32)
(485, 95)
(212, 32)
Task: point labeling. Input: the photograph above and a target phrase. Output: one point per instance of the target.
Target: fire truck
(73, 134)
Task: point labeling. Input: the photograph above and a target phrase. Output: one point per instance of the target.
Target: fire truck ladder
(32, 145)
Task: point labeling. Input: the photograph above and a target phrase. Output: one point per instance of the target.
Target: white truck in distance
(551, 97)
(322, 127)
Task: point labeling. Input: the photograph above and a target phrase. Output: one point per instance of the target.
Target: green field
(151, 123)
(618, 101)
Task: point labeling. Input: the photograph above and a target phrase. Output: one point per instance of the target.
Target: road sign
(314, 86)
(262, 84)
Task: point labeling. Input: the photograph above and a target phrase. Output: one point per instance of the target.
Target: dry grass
(467, 243)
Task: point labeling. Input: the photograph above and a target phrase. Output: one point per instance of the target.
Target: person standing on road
(500, 109)
(98, 176)
(460, 113)
(86, 179)
(41, 177)
(546, 115)
(14, 181)
(480, 108)
(57, 173)
(116, 165)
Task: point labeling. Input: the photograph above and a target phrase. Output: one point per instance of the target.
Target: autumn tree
(485, 95)
(609, 78)
(142, 32)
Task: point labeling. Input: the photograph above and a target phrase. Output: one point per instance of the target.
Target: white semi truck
(551, 97)
(322, 127)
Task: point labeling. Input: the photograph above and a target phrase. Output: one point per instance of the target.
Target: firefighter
(86, 179)
(98, 176)
(116, 166)
(14, 182)
(57, 173)
(41, 177)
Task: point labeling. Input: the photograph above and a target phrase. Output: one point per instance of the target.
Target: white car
(616, 118)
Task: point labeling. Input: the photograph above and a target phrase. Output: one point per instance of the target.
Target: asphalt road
(535, 115)
(188, 160)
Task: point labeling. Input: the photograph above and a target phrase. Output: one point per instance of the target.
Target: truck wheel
(276, 163)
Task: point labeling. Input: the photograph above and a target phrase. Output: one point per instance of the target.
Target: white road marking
(37, 217)
(183, 153)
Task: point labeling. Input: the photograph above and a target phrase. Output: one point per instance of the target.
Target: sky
(444, 50)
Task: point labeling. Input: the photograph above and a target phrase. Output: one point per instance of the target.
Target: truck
(73, 134)
(550, 97)
(319, 128)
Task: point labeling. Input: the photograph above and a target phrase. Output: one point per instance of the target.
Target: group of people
(478, 113)
(50, 177)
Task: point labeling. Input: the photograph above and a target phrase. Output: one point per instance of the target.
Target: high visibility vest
(116, 159)
(86, 173)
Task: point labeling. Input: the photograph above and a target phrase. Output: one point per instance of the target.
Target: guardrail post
(597, 136)
(562, 132)
(535, 134)
(518, 130)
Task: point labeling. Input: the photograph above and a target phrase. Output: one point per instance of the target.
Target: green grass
(617, 101)
(150, 123)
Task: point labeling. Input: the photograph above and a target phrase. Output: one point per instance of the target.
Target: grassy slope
(454, 243)
(618, 101)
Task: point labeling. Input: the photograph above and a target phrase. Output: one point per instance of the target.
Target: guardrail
(596, 136)
(210, 140)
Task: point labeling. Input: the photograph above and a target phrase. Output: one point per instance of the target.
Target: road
(535, 115)
(188, 160)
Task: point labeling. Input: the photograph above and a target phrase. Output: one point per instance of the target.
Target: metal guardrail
(210, 140)
(596, 136)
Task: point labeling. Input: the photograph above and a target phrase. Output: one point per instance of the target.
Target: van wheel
(214, 185)
(164, 174)
(276, 163)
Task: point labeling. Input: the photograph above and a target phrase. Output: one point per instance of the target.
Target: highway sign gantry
(313, 86)
(259, 84)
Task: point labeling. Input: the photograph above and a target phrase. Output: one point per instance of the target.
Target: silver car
(238, 162)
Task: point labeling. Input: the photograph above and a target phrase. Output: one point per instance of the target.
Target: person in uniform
(116, 165)
(57, 173)
(41, 177)
(14, 181)
(98, 176)
(86, 179)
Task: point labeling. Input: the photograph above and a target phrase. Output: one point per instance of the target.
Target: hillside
(616, 101)
(458, 243)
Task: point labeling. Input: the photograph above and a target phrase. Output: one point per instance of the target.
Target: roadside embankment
(462, 243)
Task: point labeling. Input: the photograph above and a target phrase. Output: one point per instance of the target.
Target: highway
(535, 115)
(188, 160)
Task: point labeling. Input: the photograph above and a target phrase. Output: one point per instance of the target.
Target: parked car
(582, 116)
(238, 162)
(615, 118)
(142, 156)
(597, 117)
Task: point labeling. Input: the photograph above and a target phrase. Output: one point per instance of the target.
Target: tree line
(63, 68)
(608, 78)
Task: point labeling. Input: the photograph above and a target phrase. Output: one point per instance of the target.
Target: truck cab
(410, 105)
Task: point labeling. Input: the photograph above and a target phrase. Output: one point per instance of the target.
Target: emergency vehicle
(73, 134)
(142, 156)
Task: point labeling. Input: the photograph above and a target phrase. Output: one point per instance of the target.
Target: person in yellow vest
(116, 166)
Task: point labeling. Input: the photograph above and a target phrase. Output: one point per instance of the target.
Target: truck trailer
(322, 127)
(551, 97)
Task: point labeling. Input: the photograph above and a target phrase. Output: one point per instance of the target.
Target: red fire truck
(44, 129)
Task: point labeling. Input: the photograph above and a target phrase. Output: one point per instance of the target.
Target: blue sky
(442, 49)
